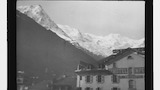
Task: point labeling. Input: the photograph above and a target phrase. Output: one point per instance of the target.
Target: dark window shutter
(91, 88)
(97, 78)
(91, 78)
(103, 78)
(80, 77)
(118, 80)
(86, 78)
(112, 78)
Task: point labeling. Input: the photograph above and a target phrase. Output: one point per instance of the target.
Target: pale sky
(97, 17)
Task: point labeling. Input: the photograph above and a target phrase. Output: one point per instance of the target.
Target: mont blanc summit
(91, 44)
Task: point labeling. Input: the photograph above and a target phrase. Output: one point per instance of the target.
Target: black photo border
(11, 43)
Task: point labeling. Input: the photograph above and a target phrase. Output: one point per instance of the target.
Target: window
(125, 70)
(80, 77)
(130, 70)
(106, 67)
(89, 79)
(139, 70)
(88, 88)
(79, 88)
(114, 65)
(98, 88)
(19, 80)
(132, 84)
(80, 67)
(129, 57)
(115, 88)
(101, 66)
(100, 79)
(89, 66)
(115, 79)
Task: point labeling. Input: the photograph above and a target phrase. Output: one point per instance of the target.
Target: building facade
(20, 81)
(121, 71)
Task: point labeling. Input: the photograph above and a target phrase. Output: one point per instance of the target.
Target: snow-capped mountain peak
(89, 43)
(37, 13)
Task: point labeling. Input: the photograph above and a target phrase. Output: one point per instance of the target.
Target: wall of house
(123, 84)
(106, 85)
(136, 61)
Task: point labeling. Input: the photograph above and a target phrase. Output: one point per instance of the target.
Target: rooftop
(84, 67)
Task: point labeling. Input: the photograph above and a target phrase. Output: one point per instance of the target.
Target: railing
(77, 70)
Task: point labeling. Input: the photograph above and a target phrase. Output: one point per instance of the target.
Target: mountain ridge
(38, 49)
(96, 46)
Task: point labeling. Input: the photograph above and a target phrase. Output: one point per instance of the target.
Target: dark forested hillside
(38, 49)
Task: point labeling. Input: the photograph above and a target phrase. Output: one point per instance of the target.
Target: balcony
(93, 72)
(88, 68)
